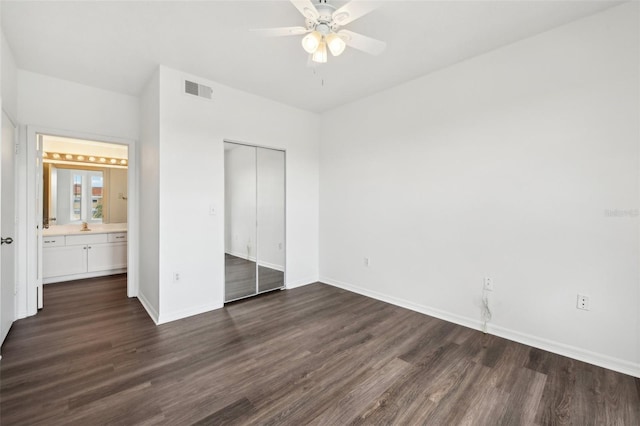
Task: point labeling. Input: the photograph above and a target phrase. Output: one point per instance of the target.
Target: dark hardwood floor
(313, 355)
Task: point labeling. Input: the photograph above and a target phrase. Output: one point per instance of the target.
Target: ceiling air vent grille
(196, 89)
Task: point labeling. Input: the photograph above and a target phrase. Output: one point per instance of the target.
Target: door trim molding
(29, 226)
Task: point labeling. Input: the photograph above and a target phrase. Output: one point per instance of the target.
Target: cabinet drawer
(117, 237)
(73, 240)
(53, 241)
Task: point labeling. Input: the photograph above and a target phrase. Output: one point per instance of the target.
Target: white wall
(8, 80)
(60, 104)
(504, 166)
(149, 184)
(192, 178)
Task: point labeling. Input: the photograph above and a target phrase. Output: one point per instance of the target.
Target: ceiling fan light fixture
(320, 55)
(336, 44)
(311, 41)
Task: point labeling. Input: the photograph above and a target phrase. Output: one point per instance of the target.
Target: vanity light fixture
(64, 158)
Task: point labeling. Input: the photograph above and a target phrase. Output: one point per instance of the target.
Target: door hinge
(17, 148)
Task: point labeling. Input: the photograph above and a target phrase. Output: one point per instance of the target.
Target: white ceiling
(117, 45)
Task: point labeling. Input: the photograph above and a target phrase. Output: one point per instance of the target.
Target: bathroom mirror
(73, 195)
(254, 220)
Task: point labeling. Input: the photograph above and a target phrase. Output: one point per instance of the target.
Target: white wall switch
(212, 210)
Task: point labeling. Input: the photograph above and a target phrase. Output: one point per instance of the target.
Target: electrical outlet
(366, 261)
(488, 283)
(583, 302)
(176, 277)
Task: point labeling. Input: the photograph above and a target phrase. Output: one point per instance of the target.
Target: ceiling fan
(323, 24)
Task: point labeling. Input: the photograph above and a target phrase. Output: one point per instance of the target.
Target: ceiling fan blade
(352, 11)
(278, 32)
(361, 42)
(307, 9)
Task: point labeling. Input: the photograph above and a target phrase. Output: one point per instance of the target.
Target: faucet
(85, 226)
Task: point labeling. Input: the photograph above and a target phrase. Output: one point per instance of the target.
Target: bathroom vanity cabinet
(70, 257)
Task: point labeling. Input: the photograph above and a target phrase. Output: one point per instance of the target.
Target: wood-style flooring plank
(312, 355)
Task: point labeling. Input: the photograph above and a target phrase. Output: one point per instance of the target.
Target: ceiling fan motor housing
(325, 22)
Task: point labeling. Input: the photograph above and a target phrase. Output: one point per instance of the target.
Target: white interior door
(7, 227)
(39, 219)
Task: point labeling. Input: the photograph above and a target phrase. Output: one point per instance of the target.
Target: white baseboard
(74, 277)
(300, 283)
(601, 360)
(177, 315)
(147, 306)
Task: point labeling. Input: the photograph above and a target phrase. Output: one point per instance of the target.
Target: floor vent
(196, 89)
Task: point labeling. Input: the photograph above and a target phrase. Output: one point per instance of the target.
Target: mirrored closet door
(254, 220)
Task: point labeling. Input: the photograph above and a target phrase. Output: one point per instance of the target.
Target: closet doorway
(255, 220)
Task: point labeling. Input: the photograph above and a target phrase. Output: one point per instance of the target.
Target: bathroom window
(87, 194)
(76, 198)
(97, 191)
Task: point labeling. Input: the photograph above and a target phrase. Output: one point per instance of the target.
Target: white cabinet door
(103, 257)
(58, 261)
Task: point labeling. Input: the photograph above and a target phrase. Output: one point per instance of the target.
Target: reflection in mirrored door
(271, 204)
(240, 220)
(254, 220)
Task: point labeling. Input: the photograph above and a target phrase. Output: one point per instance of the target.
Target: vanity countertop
(95, 228)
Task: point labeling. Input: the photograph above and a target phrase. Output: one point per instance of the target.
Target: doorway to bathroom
(82, 205)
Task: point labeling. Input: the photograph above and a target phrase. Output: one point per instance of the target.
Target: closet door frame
(284, 189)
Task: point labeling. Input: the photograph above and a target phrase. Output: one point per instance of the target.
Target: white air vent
(196, 89)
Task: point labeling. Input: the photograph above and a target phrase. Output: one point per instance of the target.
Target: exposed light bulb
(336, 44)
(113, 161)
(103, 160)
(56, 156)
(123, 162)
(320, 55)
(80, 157)
(69, 157)
(45, 155)
(92, 158)
(311, 41)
